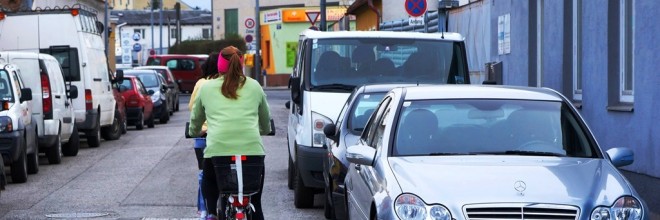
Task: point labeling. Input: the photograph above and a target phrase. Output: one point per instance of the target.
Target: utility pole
(152, 25)
(160, 23)
(324, 26)
(177, 7)
(169, 21)
(257, 54)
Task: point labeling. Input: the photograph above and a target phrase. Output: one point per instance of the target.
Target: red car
(139, 107)
(187, 69)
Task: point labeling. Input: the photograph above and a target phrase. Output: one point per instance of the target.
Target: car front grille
(521, 211)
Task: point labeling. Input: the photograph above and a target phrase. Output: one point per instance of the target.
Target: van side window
(187, 65)
(5, 87)
(68, 59)
(173, 64)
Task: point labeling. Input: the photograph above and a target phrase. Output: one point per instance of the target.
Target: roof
(143, 17)
(151, 67)
(481, 92)
(357, 4)
(449, 36)
(372, 88)
(138, 72)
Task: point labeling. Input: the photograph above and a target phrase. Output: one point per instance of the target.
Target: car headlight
(5, 124)
(624, 208)
(155, 97)
(318, 123)
(411, 207)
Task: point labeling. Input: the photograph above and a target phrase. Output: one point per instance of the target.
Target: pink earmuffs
(223, 64)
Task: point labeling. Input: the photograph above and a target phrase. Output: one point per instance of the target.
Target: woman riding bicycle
(237, 113)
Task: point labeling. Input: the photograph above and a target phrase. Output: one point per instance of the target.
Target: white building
(195, 25)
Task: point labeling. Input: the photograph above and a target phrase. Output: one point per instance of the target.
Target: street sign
(250, 23)
(312, 16)
(416, 21)
(136, 36)
(249, 38)
(137, 47)
(416, 8)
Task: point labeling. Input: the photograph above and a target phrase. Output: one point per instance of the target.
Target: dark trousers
(211, 187)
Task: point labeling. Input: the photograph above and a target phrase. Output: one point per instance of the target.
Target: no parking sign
(416, 8)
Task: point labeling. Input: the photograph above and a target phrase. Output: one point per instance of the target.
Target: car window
(149, 80)
(362, 109)
(154, 61)
(6, 93)
(377, 141)
(18, 84)
(126, 85)
(187, 64)
(163, 73)
(437, 127)
(172, 64)
(372, 124)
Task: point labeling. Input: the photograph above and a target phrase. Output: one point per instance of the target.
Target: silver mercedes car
(485, 152)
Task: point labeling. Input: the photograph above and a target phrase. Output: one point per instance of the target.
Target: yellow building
(144, 4)
(368, 14)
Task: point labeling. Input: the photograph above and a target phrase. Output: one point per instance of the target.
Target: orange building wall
(366, 18)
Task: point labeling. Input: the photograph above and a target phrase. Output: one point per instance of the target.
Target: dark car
(3, 176)
(139, 107)
(186, 68)
(350, 123)
(170, 80)
(157, 88)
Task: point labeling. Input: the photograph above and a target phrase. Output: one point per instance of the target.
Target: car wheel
(54, 153)
(94, 135)
(151, 121)
(139, 124)
(112, 132)
(176, 105)
(303, 197)
(124, 126)
(328, 207)
(165, 117)
(33, 161)
(19, 168)
(292, 173)
(71, 147)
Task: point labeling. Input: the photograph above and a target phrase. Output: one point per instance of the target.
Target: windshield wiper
(449, 154)
(526, 153)
(334, 86)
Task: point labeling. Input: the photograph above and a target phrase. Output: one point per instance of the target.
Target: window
(174, 33)
(6, 93)
(206, 33)
(363, 107)
(577, 50)
(139, 31)
(626, 53)
(231, 22)
(68, 59)
(374, 122)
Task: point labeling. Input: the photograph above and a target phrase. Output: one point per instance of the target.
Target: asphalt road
(146, 174)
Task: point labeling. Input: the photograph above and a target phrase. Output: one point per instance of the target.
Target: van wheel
(165, 117)
(19, 167)
(112, 132)
(139, 124)
(71, 147)
(150, 122)
(292, 173)
(303, 197)
(33, 160)
(54, 152)
(94, 136)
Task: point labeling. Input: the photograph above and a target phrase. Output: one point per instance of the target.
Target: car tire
(165, 117)
(139, 124)
(328, 207)
(112, 132)
(124, 126)
(33, 161)
(19, 167)
(291, 172)
(54, 153)
(303, 197)
(151, 121)
(176, 105)
(71, 147)
(94, 135)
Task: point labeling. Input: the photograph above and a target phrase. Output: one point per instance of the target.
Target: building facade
(145, 4)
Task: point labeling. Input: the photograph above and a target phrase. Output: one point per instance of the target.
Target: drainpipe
(378, 15)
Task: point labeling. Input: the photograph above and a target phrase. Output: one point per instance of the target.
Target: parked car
(156, 88)
(52, 111)
(186, 68)
(3, 176)
(18, 131)
(173, 91)
(346, 132)
(479, 152)
(139, 107)
(74, 37)
(119, 125)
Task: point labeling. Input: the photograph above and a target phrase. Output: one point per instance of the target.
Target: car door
(363, 178)
(146, 98)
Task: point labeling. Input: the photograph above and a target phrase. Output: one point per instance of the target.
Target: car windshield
(381, 60)
(126, 84)
(362, 108)
(148, 80)
(6, 93)
(507, 127)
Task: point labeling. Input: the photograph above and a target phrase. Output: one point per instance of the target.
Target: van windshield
(353, 62)
(5, 87)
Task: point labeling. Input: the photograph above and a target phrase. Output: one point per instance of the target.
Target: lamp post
(257, 54)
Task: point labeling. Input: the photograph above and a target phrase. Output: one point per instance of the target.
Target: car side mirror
(119, 76)
(151, 92)
(26, 94)
(330, 131)
(361, 154)
(621, 156)
(295, 90)
(287, 104)
(73, 92)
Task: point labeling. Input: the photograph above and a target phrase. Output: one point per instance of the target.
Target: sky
(203, 4)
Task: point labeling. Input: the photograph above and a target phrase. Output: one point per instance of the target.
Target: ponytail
(234, 78)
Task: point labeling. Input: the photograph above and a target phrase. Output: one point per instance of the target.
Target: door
(231, 22)
(61, 101)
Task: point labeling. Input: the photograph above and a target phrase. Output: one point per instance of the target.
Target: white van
(18, 132)
(51, 107)
(72, 36)
(329, 65)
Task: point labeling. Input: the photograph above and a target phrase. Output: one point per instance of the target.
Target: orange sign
(299, 15)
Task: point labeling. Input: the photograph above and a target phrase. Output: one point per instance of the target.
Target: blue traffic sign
(137, 47)
(416, 8)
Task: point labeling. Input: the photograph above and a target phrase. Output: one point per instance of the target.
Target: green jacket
(234, 126)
